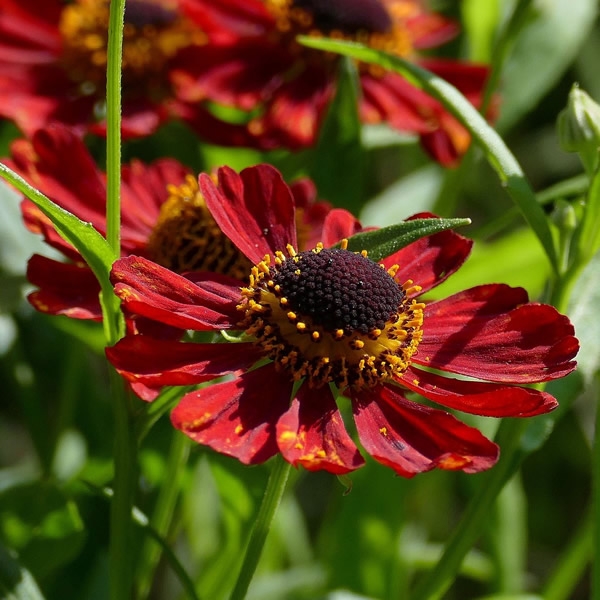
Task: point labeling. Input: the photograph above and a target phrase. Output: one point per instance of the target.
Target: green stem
(433, 586)
(596, 505)
(163, 511)
(124, 486)
(567, 573)
(113, 125)
(125, 461)
(258, 535)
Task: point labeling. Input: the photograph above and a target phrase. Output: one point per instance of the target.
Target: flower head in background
(255, 64)
(53, 58)
(163, 218)
(327, 321)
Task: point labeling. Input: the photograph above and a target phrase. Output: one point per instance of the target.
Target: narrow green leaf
(498, 155)
(339, 149)
(90, 244)
(589, 242)
(16, 582)
(387, 240)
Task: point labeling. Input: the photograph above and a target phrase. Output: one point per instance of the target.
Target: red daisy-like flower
(53, 62)
(163, 218)
(255, 64)
(327, 319)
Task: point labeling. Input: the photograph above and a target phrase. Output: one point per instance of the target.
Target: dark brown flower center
(187, 238)
(381, 24)
(331, 315)
(153, 33)
(349, 16)
(339, 289)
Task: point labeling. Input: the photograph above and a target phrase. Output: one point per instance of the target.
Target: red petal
(229, 20)
(236, 75)
(157, 362)
(411, 438)
(237, 417)
(143, 192)
(339, 224)
(312, 434)
(255, 209)
(430, 260)
(478, 397)
(295, 111)
(65, 289)
(151, 291)
(490, 333)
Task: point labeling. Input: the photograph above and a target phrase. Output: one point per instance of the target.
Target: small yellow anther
(301, 327)
(316, 336)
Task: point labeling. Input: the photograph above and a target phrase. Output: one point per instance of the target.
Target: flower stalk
(258, 535)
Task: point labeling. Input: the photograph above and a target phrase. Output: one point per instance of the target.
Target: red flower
(164, 218)
(327, 319)
(53, 62)
(255, 64)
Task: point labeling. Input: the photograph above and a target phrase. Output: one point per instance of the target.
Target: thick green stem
(258, 535)
(113, 125)
(433, 586)
(125, 462)
(124, 486)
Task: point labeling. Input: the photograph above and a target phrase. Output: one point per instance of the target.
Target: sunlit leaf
(494, 148)
(387, 240)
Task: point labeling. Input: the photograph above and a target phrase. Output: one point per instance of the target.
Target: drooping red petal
(57, 163)
(412, 438)
(477, 397)
(237, 75)
(430, 260)
(492, 333)
(65, 288)
(237, 417)
(149, 290)
(255, 209)
(295, 111)
(156, 362)
(312, 434)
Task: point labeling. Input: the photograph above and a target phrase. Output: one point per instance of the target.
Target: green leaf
(16, 582)
(89, 243)
(387, 240)
(494, 148)
(339, 149)
(542, 53)
(583, 311)
(39, 521)
(589, 242)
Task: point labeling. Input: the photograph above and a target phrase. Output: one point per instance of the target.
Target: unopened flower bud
(579, 127)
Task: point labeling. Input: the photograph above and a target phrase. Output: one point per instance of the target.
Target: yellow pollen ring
(346, 359)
